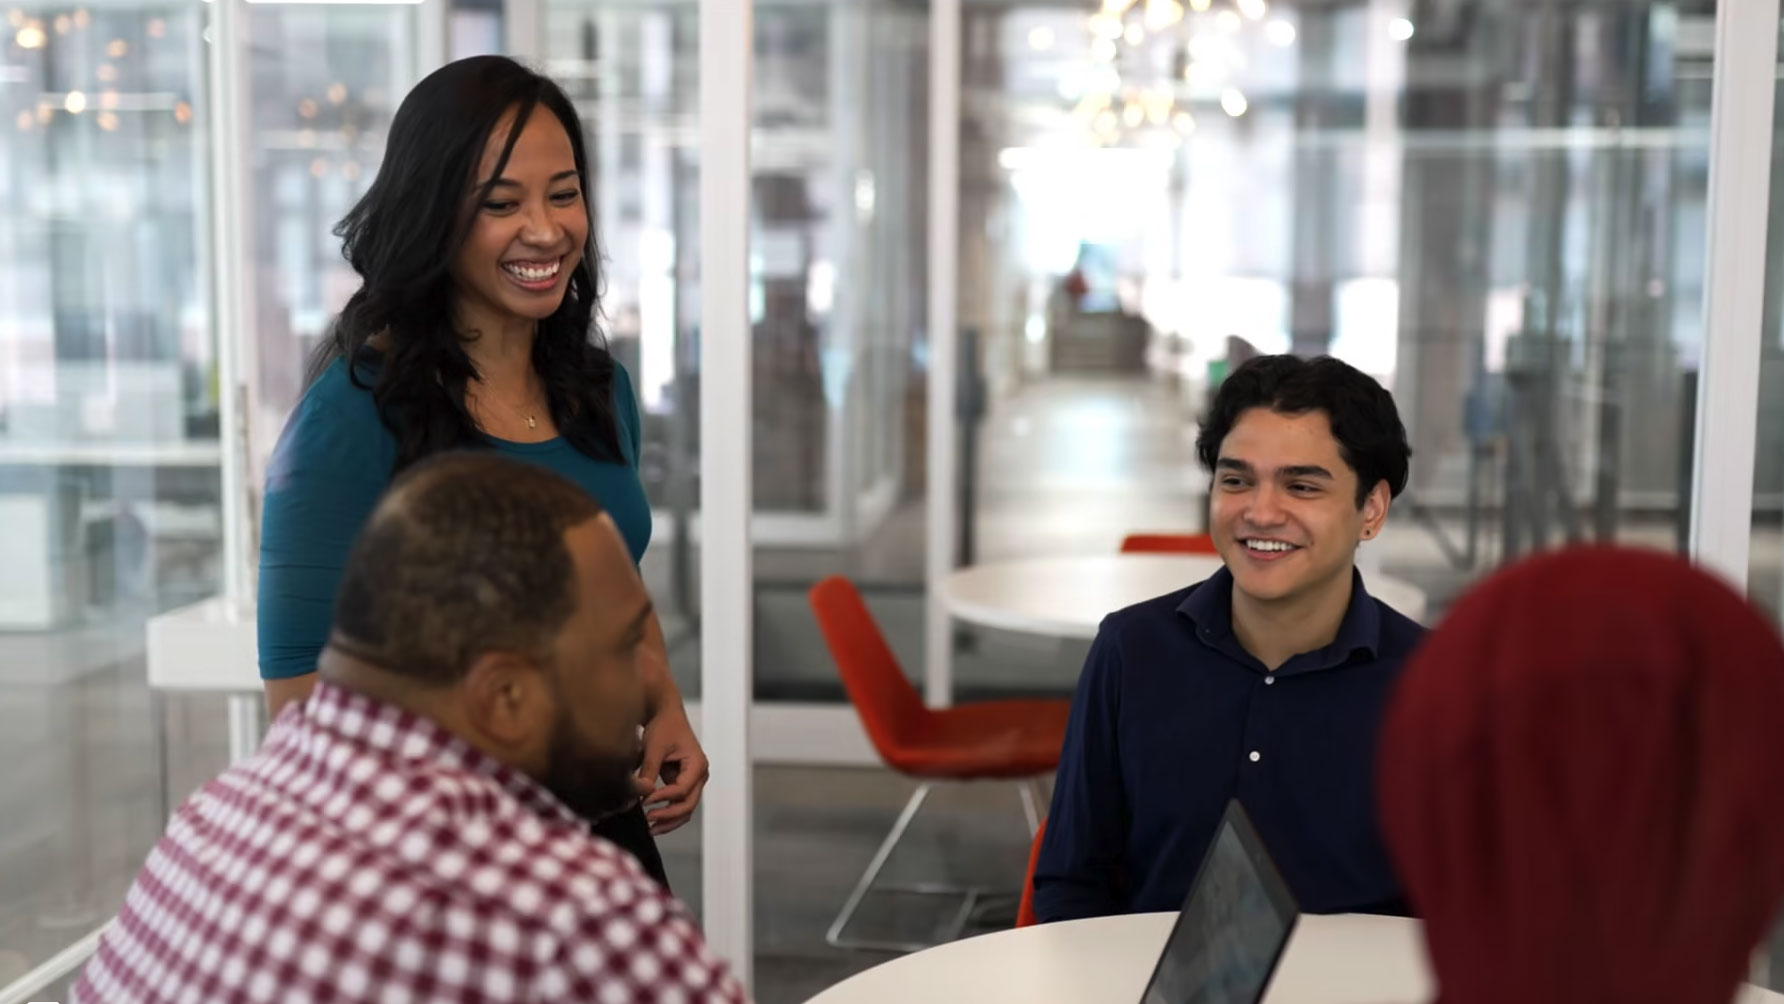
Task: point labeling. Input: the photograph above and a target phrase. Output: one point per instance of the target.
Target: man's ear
(1375, 509)
(506, 699)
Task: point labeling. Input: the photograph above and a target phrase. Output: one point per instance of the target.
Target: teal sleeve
(326, 475)
(626, 415)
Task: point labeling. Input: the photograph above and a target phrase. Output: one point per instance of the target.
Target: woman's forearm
(281, 692)
(660, 692)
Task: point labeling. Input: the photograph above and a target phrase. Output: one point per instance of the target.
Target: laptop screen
(1233, 927)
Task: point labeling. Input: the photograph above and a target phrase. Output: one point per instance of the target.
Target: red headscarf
(1582, 784)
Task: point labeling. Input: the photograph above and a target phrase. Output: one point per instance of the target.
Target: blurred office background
(1497, 207)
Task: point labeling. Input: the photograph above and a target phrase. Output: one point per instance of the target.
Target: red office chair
(1168, 543)
(1025, 910)
(1015, 740)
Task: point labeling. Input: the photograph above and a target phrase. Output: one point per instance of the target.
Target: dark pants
(631, 831)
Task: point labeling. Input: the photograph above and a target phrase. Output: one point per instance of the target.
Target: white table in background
(212, 647)
(1067, 597)
(41, 577)
(1330, 960)
(106, 453)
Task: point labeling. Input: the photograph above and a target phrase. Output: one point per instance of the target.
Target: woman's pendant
(530, 423)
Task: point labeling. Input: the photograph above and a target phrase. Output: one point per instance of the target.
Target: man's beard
(594, 784)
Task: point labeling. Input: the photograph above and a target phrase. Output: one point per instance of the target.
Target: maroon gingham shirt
(367, 855)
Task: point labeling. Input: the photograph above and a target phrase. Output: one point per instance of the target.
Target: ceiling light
(369, 3)
(1158, 109)
(1206, 49)
(1105, 26)
(1233, 103)
(1161, 14)
(1399, 29)
(1280, 32)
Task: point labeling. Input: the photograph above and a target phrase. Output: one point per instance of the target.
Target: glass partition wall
(110, 501)
(113, 387)
(1496, 209)
(835, 292)
(1765, 581)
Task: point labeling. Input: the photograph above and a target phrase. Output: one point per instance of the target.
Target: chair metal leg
(834, 935)
(973, 898)
(1031, 801)
(999, 909)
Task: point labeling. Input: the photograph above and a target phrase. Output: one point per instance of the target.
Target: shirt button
(1256, 756)
(1270, 681)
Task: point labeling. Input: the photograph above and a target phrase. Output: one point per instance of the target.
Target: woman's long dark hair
(401, 238)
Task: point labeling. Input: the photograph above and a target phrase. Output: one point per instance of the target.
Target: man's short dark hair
(1364, 420)
(464, 556)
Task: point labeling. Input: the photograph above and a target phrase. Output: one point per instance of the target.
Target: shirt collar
(1210, 607)
(402, 734)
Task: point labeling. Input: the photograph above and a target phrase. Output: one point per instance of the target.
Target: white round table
(1330, 960)
(1068, 597)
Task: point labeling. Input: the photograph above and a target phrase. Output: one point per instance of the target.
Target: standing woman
(473, 329)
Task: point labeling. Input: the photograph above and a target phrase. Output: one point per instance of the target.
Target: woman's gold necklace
(526, 415)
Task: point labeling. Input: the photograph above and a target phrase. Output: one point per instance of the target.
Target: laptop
(1237, 920)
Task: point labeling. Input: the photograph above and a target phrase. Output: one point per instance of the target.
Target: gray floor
(1067, 467)
(815, 831)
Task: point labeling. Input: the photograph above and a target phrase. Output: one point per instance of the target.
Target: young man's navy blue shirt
(1173, 718)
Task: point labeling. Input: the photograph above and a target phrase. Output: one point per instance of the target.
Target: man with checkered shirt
(417, 829)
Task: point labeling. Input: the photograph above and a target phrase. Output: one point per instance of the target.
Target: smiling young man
(1266, 682)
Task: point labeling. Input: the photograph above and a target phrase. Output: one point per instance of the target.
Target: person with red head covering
(1582, 784)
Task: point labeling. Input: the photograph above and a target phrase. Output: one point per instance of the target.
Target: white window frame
(1742, 86)
(727, 580)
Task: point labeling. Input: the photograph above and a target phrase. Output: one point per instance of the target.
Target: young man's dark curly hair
(1365, 422)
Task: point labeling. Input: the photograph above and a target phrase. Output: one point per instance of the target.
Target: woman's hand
(672, 753)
